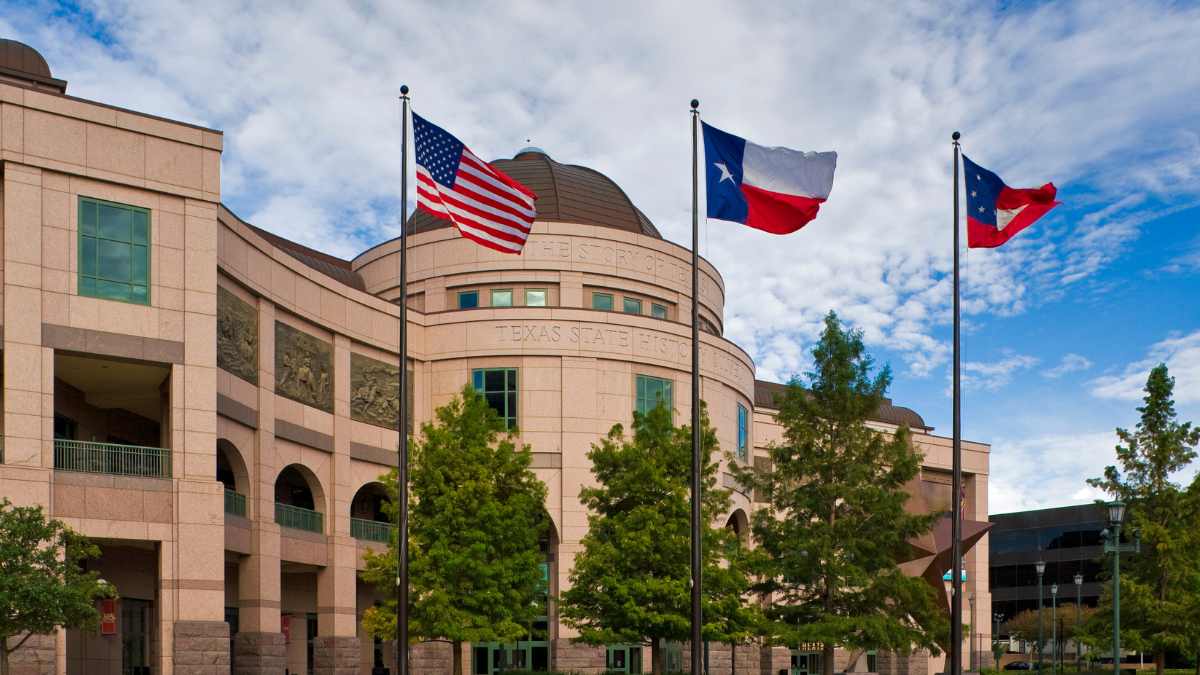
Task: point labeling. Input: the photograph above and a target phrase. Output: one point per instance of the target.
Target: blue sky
(1062, 324)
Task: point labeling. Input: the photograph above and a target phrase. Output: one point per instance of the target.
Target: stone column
(201, 648)
(35, 657)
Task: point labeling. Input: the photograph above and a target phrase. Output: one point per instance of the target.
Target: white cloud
(993, 375)
(1070, 363)
(306, 96)
(1047, 470)
(1181, 353)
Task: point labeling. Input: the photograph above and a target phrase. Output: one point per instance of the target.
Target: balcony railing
(112, 458)
(235, 503)
(299, 518)
(370, 530)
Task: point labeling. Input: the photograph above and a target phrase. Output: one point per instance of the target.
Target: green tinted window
(658, 311)
(743, 431)
(499, 388)
(502, 297)
(602, 301)
(468, 299)
(632, 306)
(535, 297)
(651, 391)
(114, 251)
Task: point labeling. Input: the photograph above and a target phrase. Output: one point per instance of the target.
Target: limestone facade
(223, 441)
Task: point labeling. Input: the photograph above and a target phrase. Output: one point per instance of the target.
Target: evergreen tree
(477, 515)
(42, 582)
(1157, 609)
(630, 582)
(834, 525)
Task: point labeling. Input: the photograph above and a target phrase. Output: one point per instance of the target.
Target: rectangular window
(468, 299)
(535, 297)
(602, 301)
(502, 297)
(743, 439)
(633, 306)
(658, 311)
(114, 251)
(499, 387)
(651, 391)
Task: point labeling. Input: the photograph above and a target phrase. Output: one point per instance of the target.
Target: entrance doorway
(135, 637)
(492, 658)
(805, 663)
(624, 659)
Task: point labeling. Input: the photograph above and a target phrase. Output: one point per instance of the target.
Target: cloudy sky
(1061, 325)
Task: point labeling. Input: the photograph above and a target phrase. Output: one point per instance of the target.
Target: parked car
(1020, 665)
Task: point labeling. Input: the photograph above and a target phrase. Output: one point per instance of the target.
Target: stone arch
(297, 485)
(739, 524)
(368, 502)
(231, 467)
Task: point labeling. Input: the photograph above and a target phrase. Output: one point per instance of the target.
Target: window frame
(95, 277)
(743, 432)
(510, 415)
(492, 297)
(545, 297)
(659, 311)
(611, 302)
(463, 293)
(641, 395)
(625, 304)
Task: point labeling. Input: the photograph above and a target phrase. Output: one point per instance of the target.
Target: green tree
(730, 616)
(477, 515)
(630, 582)
(834, 525)
(1157, 615)
(42, 582)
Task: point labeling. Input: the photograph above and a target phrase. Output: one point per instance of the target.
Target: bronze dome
(565, 193)
(19, 61)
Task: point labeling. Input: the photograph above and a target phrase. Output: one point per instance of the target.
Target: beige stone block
(200, 302)
(56, 307)
(169, 267)
(116, 150)
(56, 208)
(23, 311)
(170, 322)
(200, 275)
(308, 297)
(12, 134)
(54, 137)
(156, 506)
(200, 345)
(56, 244)
(23, 274)
(173, 163)
(199, 387)
(85, 312)
(22, 221)
(211, 167)
(166, 228)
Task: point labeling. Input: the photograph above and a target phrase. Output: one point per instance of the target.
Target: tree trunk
(732, 658)
(1160, 663)
(656, 666)
(4, 656)
(827, 659)
(456, 657)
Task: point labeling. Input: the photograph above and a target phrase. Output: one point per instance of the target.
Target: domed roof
(20, 61)
(565, 193)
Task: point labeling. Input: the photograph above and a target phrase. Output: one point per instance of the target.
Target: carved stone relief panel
(303, 367)
(374, 391)
(237, 336)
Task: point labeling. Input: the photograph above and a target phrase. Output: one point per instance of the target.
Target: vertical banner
(285, 627)
(108, 616)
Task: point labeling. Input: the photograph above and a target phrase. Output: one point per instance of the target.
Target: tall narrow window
(535, 297)
(743, 439)
(114, 251)
(502, 297)
(651, 391)
(632, 306)
(499, 388)
(468, 299)
(602, 301)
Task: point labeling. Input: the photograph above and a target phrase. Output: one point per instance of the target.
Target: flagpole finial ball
(404, 90)
(955, 136)
(695, 103)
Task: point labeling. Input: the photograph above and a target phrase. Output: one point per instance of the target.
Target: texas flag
(776, 190)
(996, 212)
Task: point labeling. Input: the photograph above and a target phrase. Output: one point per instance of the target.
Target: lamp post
(1054, 627)
(974, 630)
(997, 617)
(1075, 630)
(1113, 545)
(1041, 569)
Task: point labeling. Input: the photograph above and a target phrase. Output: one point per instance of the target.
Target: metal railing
(299, 518)
(371, 530)
(112, 458)
(235, 503)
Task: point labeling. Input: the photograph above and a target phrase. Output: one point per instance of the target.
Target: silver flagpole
(402, 455)
(956, 525)
(696, 459)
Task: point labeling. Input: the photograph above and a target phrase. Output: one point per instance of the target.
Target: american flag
(485, 205)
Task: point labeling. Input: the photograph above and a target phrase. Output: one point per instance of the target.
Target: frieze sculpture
(303, 367)
(237, 336)
(374, 391)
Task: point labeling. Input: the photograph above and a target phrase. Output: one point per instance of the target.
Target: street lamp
(997, 617)
(1054, 627)
(974, 630)
(1113, 545)
(1041, 569)
(1075, 630)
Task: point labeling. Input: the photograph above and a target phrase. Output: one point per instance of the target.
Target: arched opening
(231, 472)
(368, 520)
(298, 499)
(739, 524)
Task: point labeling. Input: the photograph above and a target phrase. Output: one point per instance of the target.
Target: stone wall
(201, 648)
(336, 655)
(35, 657)
(568, 656)
(431, 658)
(259, 654)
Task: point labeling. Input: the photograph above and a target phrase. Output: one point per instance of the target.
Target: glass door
(135, 638)
(805, 663)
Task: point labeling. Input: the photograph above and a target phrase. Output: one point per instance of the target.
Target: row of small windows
(502, 297)
(629, 305)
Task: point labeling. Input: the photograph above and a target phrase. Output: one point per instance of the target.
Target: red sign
(108, 616)
(285, 626)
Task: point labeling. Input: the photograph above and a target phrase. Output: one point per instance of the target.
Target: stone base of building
(568, 656)
(259, 654)
(201, 648)
(917, 663)
(336, 655)
(432, 658)
(35, 657)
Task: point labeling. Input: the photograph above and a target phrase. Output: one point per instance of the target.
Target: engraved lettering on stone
(237, 336)
(303, 367)
(374, 391)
